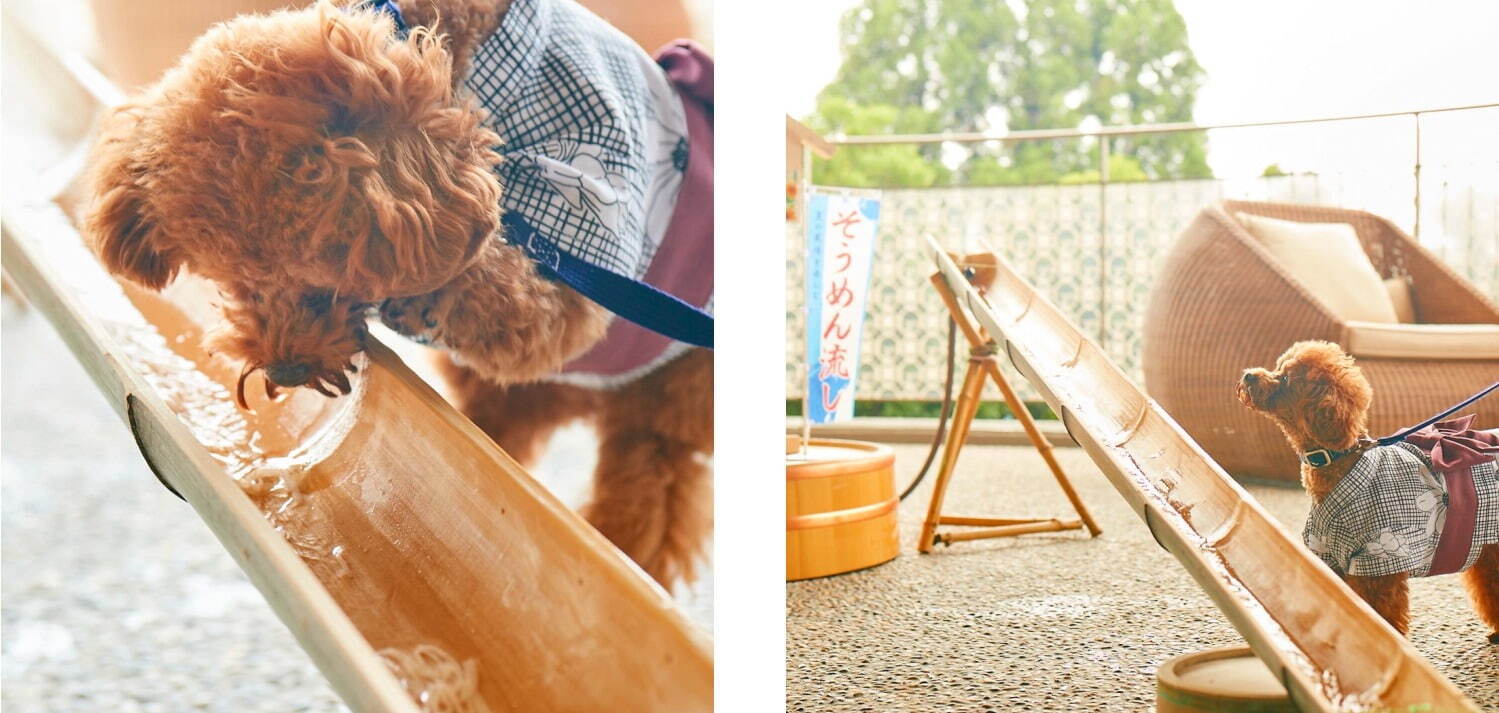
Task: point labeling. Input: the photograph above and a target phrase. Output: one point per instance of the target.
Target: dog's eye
(1277, 389)
(317, 302)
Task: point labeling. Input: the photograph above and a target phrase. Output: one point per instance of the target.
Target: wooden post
(802, 144)
(1103, 240)
(983, 365)
(1416, 227)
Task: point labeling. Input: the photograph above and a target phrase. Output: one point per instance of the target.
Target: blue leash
(636, 301)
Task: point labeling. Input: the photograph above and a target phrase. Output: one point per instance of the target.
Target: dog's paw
(413, 317)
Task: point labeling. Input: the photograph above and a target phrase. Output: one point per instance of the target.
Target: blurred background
(1093, 236)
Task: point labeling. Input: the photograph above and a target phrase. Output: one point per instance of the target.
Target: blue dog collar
(389, 7)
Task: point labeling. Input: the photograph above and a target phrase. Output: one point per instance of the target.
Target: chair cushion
(1329, 262)
(1400, 297)
(1422, 341)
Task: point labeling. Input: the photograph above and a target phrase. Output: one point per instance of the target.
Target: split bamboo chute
(392, 535)
(1328, 647)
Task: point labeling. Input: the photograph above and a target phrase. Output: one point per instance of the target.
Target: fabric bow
(1454, 445)
(1455, 449)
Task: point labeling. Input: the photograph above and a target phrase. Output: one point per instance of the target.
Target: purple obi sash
(683, 263)
(1455, 448)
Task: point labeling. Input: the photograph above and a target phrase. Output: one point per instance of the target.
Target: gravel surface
(116, 597)
(1045, 622)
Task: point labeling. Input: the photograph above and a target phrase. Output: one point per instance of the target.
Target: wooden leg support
(968, 405)
(981, 366)
(1043, 446)
(1048, 525)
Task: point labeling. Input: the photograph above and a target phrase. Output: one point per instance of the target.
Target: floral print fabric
(593, 134)
(1386, 515)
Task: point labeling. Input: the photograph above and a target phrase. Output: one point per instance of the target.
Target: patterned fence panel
(1051, 234)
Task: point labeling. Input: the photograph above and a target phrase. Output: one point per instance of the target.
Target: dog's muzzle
(288, 375)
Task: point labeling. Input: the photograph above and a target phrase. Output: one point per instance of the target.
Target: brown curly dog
(316, 166)
(1320, 399)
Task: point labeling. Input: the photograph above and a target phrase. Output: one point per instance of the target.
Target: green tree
(893, 165)
(914, 66)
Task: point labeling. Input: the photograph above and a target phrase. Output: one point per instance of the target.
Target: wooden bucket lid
(829, 456)
(1229, 679)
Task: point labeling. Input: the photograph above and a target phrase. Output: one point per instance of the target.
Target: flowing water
(268, 449)
(438, 682)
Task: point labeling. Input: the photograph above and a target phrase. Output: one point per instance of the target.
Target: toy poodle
(1383, 513)
(514, 182)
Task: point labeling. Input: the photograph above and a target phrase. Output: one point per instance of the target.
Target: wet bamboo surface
(411, 558)
(1328, 647)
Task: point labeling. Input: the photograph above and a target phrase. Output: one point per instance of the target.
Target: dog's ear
(116, 224)
(1341, 412)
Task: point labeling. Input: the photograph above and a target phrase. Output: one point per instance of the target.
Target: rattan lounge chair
(1223, 303)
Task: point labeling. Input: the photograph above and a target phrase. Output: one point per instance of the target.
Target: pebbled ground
(1048, 621)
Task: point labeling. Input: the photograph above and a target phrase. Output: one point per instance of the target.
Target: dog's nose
(283, 374)
(1251, 378)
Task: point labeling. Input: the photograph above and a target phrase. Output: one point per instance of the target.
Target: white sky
(1282, 59)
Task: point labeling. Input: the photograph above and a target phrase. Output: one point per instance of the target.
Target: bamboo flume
(1332, 652)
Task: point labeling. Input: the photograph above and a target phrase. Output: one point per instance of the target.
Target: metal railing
(1107, 307)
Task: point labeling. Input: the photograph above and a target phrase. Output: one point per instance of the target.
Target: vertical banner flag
(841, 230)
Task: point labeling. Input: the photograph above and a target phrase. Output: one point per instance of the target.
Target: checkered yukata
(596, 144)
(593, 135)
(1386, 515)
(608, 155)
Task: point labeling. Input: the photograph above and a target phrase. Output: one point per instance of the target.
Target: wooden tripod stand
(981, 365)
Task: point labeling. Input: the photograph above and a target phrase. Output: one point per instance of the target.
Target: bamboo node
(140, 444)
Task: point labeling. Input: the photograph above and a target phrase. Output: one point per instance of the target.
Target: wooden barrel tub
(1224, 680)
(840, 508)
